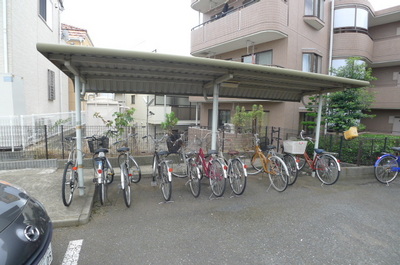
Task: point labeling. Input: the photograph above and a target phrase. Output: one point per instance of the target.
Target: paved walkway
(45, 185)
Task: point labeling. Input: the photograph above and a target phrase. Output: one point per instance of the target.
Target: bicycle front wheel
(166, 185)
(126, 185)
(278, 173)
(327, 169)
(291, 165)
(135, 173)
(384, 172)
(194, 178)
(69, 183)
(217, 178)
(109, 171)
(237, 176)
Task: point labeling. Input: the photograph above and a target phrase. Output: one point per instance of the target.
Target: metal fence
(47, 142)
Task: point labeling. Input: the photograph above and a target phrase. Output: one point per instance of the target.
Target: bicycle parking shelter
(101, 70)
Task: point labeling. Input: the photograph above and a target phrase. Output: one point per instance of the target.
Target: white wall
(25, 28)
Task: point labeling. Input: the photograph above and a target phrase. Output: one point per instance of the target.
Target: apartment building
(29, 83)
(305, 35)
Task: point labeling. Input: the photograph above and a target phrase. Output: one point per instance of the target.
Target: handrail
(221, 15)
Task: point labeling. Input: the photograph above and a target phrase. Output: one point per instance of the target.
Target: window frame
(255, 57)
(317, 7)
(315, 62)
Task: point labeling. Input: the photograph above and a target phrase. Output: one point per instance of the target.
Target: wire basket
(102, 142)
(294, 147)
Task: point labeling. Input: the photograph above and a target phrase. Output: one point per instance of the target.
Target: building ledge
(314, 22)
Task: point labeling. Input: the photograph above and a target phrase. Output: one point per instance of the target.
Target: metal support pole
(78, 129)
(214, 128)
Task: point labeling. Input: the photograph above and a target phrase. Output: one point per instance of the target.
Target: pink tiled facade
(287, 30)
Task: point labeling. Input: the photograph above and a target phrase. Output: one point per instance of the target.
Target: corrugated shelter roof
(122, 71)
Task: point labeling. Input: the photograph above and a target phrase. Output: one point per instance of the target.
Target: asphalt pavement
(45, 185)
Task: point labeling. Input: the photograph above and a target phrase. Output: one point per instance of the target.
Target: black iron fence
(46, 142)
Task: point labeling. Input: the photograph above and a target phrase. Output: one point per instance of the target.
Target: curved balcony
(261, 22)
(353, 44)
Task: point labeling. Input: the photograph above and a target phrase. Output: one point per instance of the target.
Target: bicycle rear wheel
(383, 169)
(102, 190)
(256, 165)
(69, 183)
(166, 185)
(291, 165)
(327, 169)
(217, 178)
(237, 176)
(126, 185)
(178, 164)
(135, 173)
(194, 178)
(278, 173)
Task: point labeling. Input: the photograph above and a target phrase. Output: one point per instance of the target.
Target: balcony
(261, 22)
(361, 45)
(386, 52)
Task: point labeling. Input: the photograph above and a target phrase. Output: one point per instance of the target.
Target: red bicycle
(214, 168)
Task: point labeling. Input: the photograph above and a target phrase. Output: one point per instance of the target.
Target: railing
(221, 14)
(49, 142)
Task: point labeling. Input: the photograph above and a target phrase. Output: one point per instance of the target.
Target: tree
(170, 121)
(252, 119)
(346, 108)
(122, 119)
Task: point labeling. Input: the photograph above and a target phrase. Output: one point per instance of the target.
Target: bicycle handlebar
(305, 138)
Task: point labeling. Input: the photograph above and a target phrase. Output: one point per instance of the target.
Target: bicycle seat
(123, 149)
(397, 149)
(104, 150)
(319, 151)
(270, 147)
(212, 152)
(233, 153)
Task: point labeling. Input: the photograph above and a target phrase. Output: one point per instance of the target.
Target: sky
(146, 25)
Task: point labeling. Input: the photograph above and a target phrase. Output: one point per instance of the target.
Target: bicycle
(212, 167)
(236, 170)
(324, 163)
(104, 172)
(387, 166)
(130, 170)
(184, 165)
(271, 164)
(161, 171)
(70, 174)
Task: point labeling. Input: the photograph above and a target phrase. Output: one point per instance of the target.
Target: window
(312, 63)
(263, 58)
(354, 19)
(51, 85)
(314, 8)
(46, 11)
(224, 116)
(133, 98)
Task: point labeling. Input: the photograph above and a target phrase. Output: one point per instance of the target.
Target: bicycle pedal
(154, 183)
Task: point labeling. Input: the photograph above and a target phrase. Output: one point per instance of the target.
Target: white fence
(19, 131)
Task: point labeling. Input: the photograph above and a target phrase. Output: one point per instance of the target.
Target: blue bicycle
(387, 166)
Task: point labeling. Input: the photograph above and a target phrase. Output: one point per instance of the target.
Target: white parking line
(71, 257)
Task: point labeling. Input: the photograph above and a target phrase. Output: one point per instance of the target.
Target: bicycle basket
(102, 142)
(173, 144)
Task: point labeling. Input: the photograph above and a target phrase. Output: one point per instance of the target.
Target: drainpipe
(330, 49)
(331, 35)
(5, 40)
